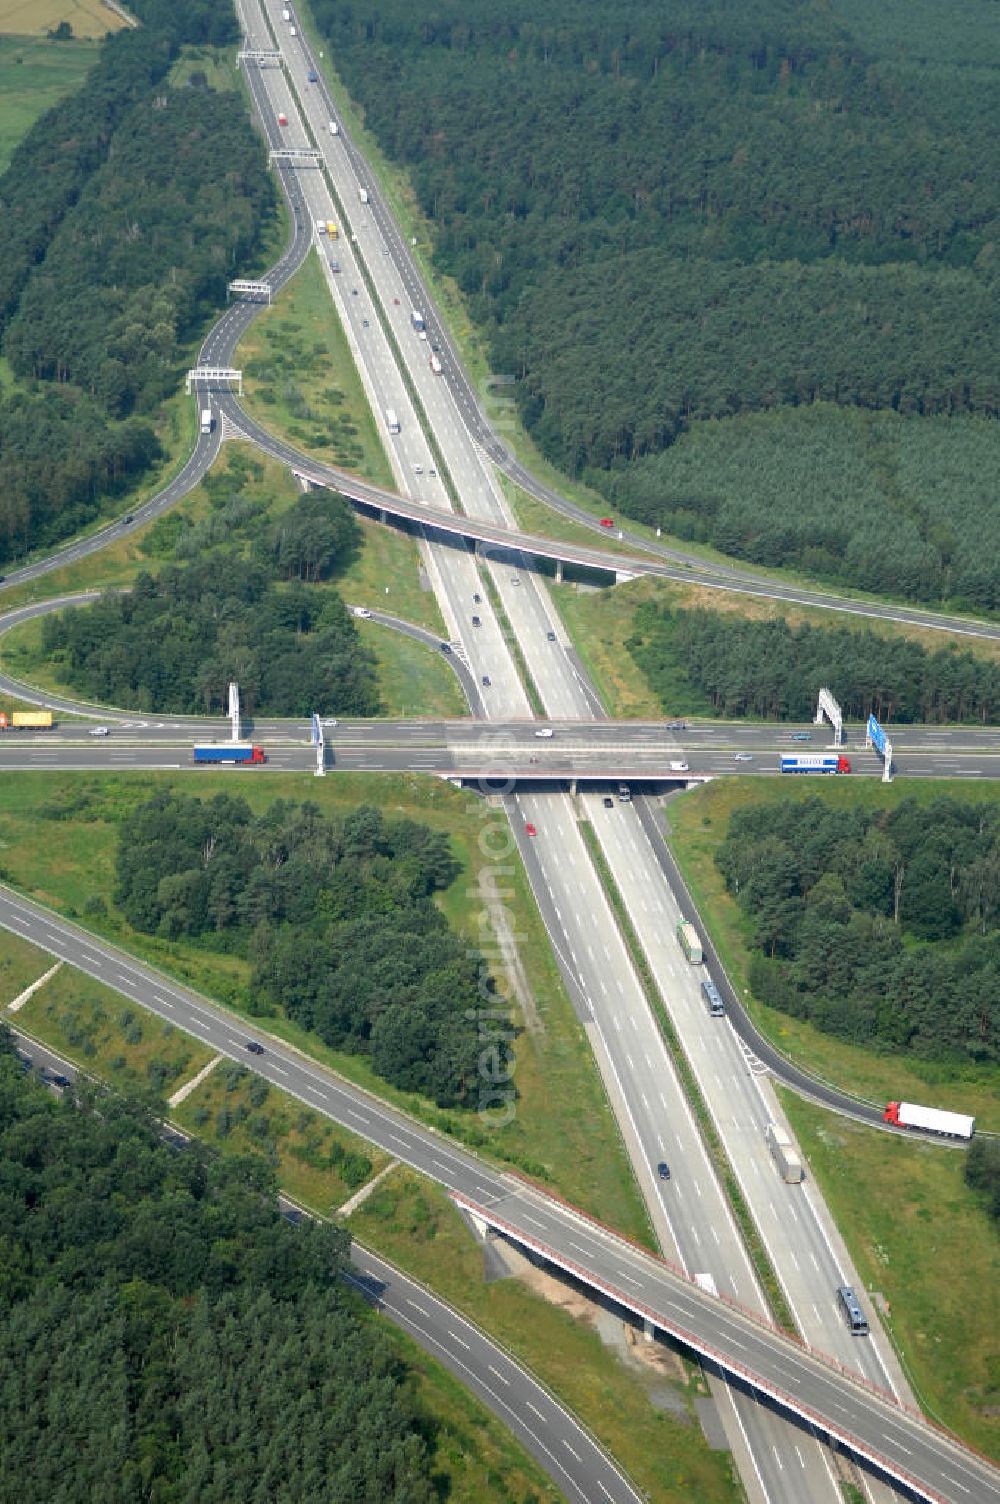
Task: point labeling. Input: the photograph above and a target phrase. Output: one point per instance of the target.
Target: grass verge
(59, 835)
(642, 1414)
(413, 680)
(759, 1257)
(921, 1240)
(698, 821)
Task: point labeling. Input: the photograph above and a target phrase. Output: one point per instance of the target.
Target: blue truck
(221, 752)
(813, 762)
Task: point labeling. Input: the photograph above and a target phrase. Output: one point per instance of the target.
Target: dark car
(128, 519)
(478, 600)
(486, 680)
(312, 75)
(608, 802)
(446, 647)
(63, 1082)
(476, 622)
(551, 636)
(255, 1047)
(663, 1170)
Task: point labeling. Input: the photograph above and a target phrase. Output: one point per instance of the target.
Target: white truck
(436, 366)
(363, 195)
(391, 420)
(286, 14)
(206, 420)
(783, 1153)
(334, 128)
(930, 1119)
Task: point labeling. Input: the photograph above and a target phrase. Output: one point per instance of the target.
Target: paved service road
(933, 1464)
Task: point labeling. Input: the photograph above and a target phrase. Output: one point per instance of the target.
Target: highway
(564, 693)
(577, 1465)
(935, 1466)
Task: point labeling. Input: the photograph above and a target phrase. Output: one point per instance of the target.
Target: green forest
(673, 218)
(122, 215)
(175, 640)
(167, 1336)
(728, 665)
(337, 915)
(882, 927)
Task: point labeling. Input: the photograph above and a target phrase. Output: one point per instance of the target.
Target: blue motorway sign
(876, 735)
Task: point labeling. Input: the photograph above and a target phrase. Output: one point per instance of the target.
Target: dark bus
(713, 998)
(850, 1306)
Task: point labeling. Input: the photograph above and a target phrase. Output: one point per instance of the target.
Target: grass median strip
(741, 1212)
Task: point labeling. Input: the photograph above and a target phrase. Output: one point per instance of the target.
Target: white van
(334, 128)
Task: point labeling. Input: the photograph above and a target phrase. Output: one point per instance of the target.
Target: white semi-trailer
(930, 1119)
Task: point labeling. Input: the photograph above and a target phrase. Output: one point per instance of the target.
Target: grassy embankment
(920, 1239)
(59, 833)
(318, 1163)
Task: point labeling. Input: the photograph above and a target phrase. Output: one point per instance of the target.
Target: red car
(607, 522)
(282, 119)
(529, 828)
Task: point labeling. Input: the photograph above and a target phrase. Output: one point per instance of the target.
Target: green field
(36, 74)
(57, 842)
(643, 1414)
(920, 1239)
(697, 824)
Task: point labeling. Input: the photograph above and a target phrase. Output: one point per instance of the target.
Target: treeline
(122, 214)
(167, 1335)
(773, 671)
(176, 639)
(338, 916)
(882, 927)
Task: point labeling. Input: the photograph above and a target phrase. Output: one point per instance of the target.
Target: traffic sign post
(875, 737)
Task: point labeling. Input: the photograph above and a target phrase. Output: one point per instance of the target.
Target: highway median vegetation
(118, 233)
(793, 361)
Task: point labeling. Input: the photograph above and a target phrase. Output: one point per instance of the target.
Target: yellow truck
(26, 720)
(331, 229)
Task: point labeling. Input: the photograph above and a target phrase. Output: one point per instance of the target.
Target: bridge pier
(648, 1329)
(559, 571)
